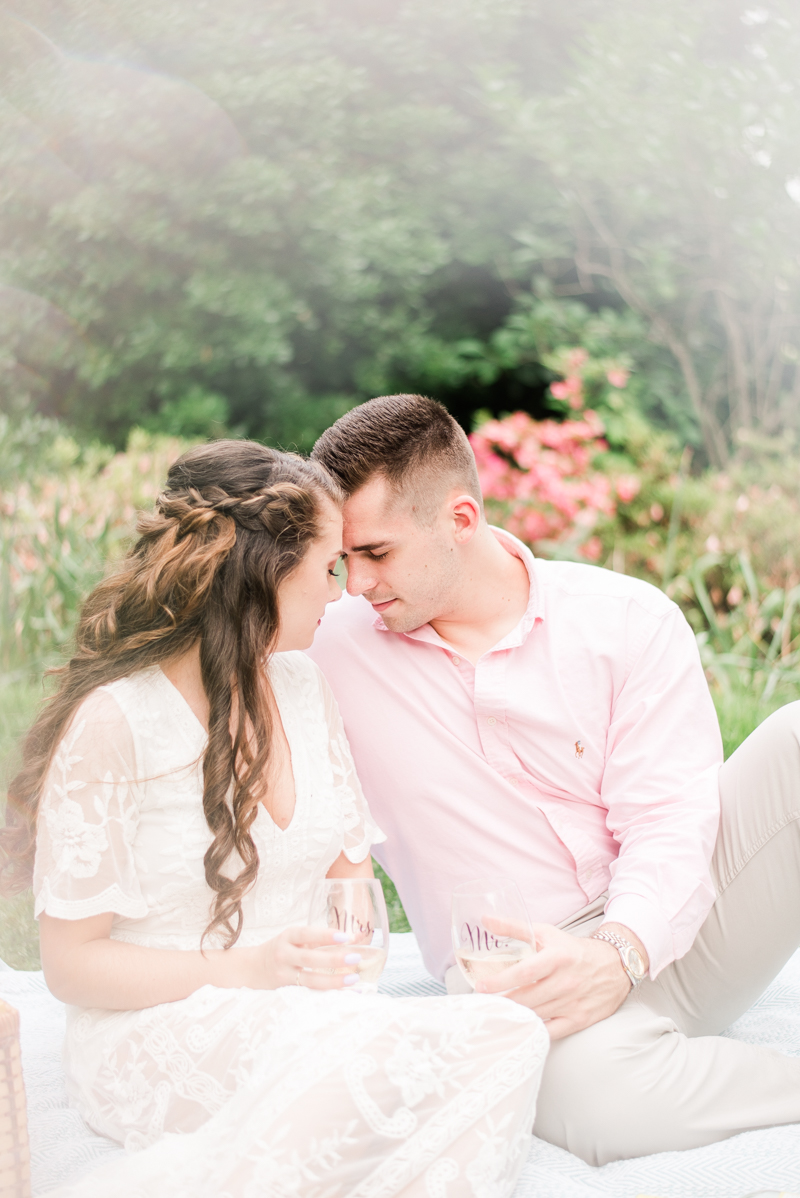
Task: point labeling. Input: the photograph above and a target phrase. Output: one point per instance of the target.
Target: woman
(185, 790)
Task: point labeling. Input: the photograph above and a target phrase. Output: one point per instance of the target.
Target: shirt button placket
(490, 703)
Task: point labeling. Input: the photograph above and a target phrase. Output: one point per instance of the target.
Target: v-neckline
(293, 760)
(293, 757)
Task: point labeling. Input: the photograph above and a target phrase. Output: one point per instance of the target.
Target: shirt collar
(518, 635)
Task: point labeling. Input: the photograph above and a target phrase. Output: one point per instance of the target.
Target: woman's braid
(283, 509)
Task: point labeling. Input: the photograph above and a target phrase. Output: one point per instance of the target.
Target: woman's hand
(316, 958)
(85, 967)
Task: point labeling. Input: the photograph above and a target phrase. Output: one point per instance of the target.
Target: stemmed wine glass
(490, 927)
(355, 906)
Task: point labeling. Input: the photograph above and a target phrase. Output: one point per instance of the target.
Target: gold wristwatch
(630, 957)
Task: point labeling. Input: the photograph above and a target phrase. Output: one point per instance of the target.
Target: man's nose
(359, 577)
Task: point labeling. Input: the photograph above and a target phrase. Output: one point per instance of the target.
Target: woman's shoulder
(114, 707)
(102, 709)
(299, 680)
(98, 729)
(296, 665)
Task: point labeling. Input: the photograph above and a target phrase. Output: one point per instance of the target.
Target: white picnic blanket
(62, 1147)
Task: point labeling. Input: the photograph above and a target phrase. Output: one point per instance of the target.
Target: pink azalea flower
(628, 487)
(618, 378)
(537, 476)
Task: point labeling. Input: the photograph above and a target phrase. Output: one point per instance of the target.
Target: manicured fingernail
(351, 979)
(341, 938)
(353, 959)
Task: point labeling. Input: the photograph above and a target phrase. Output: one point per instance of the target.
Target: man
(549, 722)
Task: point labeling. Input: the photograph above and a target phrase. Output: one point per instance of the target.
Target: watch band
(630, 957)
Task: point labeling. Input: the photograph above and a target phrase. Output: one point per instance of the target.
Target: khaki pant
(656, 1075)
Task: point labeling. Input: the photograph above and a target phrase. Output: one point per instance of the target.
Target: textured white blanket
(63, 1147)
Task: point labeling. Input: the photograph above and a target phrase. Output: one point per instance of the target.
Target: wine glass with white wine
(357, 907)
(491, 928)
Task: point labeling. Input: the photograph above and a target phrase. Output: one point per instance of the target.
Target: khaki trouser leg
(655, 1076)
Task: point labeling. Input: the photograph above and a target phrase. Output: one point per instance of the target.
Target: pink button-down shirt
(579, 756)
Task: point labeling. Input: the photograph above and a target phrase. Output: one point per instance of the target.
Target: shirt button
(491, 720)
(456, 660)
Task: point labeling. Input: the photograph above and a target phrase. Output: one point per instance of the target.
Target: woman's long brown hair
(234, 520)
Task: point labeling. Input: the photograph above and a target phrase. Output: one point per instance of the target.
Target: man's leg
(634, 1084)
(655, 1076)
(754, 925)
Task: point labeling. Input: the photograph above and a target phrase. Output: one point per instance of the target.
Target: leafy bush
(539, 482)
(62, 521)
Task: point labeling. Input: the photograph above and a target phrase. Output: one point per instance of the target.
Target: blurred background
(578, 225)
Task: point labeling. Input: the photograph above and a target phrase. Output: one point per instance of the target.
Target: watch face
(634, 962)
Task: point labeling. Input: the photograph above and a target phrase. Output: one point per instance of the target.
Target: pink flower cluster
(571, 388)
(539, 478)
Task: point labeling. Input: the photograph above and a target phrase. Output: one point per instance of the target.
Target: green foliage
(398, 920)
(65, 514)
(269, 203)
(256, 215)
(674, 151)
(742, 588)
(19, 934)
(199, 414)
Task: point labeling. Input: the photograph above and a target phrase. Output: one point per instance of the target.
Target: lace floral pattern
(242, 1093)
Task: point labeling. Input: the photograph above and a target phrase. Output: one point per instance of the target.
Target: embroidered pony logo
(578, 749)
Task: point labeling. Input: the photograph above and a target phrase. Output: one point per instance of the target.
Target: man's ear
(466, 515)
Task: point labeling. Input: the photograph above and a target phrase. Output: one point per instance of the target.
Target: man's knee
(602, 1091)
(760, 783)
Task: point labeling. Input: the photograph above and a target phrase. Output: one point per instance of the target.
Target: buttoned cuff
(649, 924)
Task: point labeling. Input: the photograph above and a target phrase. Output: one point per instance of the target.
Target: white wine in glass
(491, 928)
(357, 907)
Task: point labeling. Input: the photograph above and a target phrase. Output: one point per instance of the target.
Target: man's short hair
(410, 440)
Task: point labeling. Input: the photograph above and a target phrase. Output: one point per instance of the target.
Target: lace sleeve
(88, 818)
(361, 831)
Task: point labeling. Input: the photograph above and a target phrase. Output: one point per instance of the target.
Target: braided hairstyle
(234, 521)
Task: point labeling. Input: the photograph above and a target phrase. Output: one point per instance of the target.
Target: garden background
(577, 225)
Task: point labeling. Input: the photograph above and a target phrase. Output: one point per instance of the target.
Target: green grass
(739, 713)
(19, 933)
(398, 920)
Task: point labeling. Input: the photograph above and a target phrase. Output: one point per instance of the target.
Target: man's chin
(398, 618)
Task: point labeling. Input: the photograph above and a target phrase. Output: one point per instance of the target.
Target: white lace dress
(252, 1093)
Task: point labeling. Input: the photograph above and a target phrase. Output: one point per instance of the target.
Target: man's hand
(572, 981)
